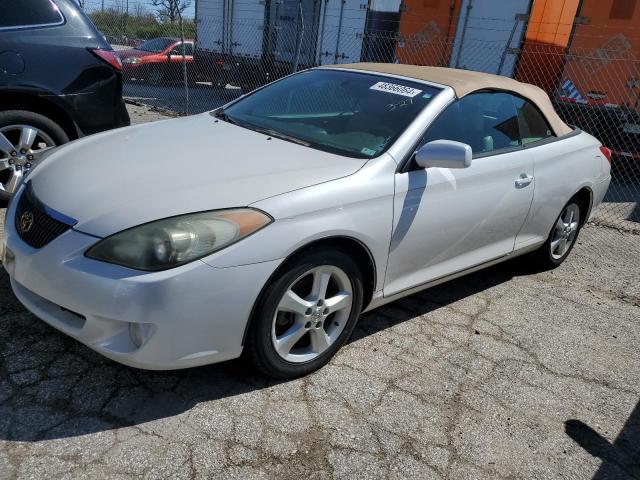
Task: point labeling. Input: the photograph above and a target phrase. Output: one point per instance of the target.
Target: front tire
(562, 237)
(155, 76)
(306, 314)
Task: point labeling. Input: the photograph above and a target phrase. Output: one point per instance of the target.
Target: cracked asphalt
(505, 373)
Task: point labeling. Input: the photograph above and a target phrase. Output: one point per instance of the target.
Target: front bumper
(188, 316)
(132, 70)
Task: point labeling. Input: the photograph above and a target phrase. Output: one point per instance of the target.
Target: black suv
(59, 80)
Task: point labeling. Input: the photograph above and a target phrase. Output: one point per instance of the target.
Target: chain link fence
(189, 57)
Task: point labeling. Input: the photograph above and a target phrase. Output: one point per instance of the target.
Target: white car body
(197, 313)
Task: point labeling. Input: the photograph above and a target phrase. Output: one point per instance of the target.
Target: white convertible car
(269, 225)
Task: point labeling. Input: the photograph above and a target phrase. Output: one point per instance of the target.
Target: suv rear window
(29, 14)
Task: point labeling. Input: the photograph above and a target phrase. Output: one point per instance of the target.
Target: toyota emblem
(26, 221)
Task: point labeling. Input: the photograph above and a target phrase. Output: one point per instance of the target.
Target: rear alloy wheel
(562, 237)
(24, 138)
(306, 315)
(564, 232)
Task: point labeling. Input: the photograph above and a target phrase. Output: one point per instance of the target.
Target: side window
(28, 13)
(533, 125)
(179, 48)
(486, 121)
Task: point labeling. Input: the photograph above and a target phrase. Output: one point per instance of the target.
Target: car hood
(123, 178)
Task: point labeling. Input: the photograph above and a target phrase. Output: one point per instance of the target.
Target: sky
(93, 5)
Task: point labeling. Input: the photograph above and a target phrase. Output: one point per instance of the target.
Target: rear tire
(298, 324)
(562, 238)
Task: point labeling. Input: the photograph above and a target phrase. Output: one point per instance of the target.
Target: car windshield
(156, 45)
(349, 113)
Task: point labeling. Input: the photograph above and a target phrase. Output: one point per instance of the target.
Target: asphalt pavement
(505, 373)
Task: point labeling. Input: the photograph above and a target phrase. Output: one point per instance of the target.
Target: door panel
(211, 25)
(340, 32)
(244, 28)
(174, 67)
(288, 22)
(486, 30)
(448, 220)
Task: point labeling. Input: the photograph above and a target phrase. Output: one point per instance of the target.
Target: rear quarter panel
(561, 169)
(60, 68)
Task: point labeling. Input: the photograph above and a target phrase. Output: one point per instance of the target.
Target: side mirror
(444, 154)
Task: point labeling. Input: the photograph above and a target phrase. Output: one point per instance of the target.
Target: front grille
(34, 225)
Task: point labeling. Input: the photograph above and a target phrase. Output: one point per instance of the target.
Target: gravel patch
(144, 114)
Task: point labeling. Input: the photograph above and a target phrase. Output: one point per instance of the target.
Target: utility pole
(126, 16)
(300, 36)
(184, 64)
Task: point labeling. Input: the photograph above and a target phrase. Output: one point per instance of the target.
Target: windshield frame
(221, 113)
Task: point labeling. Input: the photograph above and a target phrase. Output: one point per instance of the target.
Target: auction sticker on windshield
(395, 88)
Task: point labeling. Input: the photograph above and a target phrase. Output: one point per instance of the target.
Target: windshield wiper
(222, 115)
(281, 136)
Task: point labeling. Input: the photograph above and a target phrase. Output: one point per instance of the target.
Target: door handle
(524, 180)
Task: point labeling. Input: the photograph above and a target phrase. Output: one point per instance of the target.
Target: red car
(157, 61)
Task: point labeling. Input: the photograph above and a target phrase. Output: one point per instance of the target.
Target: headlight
(131, 60)
(178, 240)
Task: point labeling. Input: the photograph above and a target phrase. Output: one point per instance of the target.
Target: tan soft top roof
(464, 82)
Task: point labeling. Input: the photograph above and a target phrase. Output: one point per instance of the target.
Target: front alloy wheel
(306, 314)
(312, 314)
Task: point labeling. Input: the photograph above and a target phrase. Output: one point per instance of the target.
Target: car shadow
(620, 459)
(624, 189)
(54, 387)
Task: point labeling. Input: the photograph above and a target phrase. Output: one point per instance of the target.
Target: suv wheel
(24, 137)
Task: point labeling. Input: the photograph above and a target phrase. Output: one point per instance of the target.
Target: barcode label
(396, 89)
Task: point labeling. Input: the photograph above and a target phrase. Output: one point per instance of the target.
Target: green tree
(143, 25)
(171, 10)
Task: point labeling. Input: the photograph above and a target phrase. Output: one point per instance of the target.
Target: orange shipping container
(603, 63)
(590, 46)
(548, 34)
(426, 30)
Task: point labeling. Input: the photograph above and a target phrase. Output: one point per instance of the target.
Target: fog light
(139, 333)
